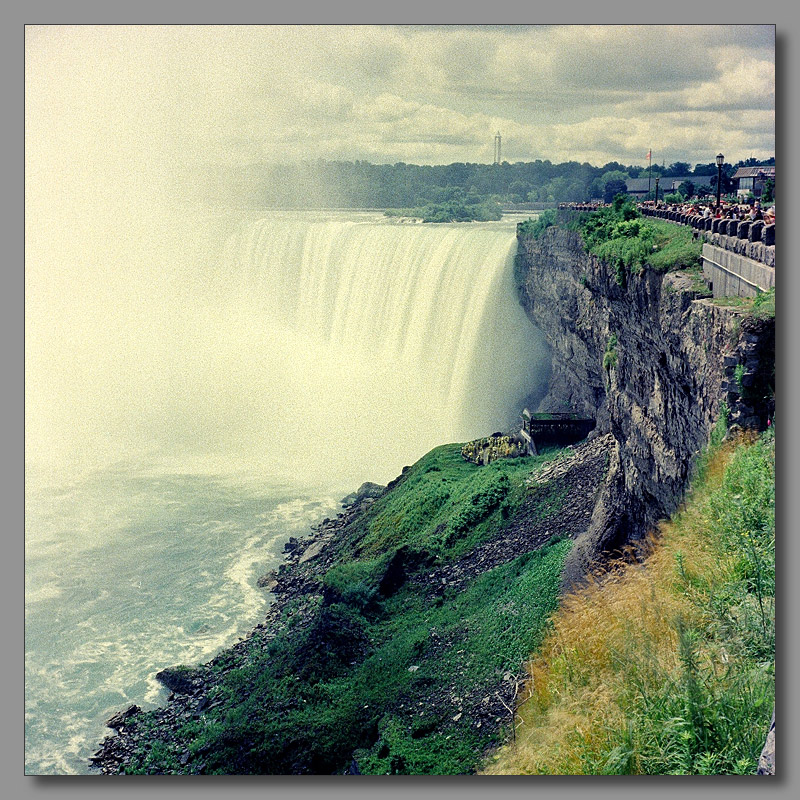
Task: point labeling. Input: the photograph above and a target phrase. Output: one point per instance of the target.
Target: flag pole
(650, 169)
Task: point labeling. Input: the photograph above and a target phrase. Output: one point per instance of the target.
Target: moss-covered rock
(490, 448)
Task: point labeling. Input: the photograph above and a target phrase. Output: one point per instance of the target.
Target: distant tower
(497, 148)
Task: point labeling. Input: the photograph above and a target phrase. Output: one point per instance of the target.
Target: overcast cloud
(148, 95)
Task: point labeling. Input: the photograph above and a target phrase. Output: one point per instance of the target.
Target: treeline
(360, 184)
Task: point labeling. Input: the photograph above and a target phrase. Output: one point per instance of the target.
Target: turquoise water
(127, 573)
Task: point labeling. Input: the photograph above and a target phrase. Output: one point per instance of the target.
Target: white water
(196, 396)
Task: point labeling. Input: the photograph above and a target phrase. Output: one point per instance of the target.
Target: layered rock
(652, 360)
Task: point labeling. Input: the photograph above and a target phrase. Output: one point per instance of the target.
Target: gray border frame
(352, 12)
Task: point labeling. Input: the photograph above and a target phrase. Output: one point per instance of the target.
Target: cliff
(653, 360)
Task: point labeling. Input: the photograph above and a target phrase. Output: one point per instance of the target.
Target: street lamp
(720, 162)
(657, 179)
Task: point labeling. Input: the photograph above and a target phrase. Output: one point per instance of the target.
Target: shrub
(621, 237)
(534, 228)
(353, 583)
(610, 354)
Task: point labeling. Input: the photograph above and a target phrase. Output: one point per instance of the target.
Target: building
(637, 187)
(753, 179)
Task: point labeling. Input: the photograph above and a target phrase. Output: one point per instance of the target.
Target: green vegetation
(447, 505)
(762, 306)
(698, 281)
(621, 237)
(380, 663)
(610, 354)
(534, 228)
(469, 209)
(667, 667)
(359, 184)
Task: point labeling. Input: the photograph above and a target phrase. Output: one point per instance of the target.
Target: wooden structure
(547, 429)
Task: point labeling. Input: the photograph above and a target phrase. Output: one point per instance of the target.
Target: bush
(610, 354)
(622, 238)
(353, 583)
(534, 228)
(454, 210)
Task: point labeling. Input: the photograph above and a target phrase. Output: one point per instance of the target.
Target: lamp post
(657, 179)
(720, 161)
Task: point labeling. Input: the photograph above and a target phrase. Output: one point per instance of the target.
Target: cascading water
(193, 403)
(403, 336)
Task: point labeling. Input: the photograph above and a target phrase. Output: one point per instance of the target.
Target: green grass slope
(380, 658)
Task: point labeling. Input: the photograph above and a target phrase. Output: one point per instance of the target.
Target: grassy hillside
(381, 655)
(668, 666)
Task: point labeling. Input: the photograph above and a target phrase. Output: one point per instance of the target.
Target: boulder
(121, 719)
(367, 490)
(177, 679)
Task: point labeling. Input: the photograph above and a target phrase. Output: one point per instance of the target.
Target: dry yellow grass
(615, 643)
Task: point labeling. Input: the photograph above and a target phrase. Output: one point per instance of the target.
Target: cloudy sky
(427, 95)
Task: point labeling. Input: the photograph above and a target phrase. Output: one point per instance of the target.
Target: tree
(727, 183)
(613, 166)
(768, 194)
(678, 168)
(613, 188)
(597, 188)
(519, 188)
(686, 188)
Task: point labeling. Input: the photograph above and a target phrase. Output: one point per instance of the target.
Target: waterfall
(421, 322)
(331, 346)
(199, 391)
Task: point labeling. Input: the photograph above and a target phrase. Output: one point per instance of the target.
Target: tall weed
(666, 666)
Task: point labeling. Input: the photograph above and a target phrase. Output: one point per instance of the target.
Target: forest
(360, 184)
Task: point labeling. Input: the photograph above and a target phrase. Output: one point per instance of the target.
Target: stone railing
(754, 240)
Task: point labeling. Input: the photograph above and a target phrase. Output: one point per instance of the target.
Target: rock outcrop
(652, 361)
(766, 762)
(490, 448)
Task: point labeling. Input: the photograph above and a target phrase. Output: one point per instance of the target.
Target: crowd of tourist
(740, 211)
(706, 208)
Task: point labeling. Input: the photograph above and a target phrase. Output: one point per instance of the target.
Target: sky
(100, 98)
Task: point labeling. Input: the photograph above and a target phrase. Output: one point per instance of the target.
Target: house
(638, 187)
(672, 183)
(753, 179)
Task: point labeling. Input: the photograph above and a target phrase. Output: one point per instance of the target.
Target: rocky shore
(576, 478)
(296, 582)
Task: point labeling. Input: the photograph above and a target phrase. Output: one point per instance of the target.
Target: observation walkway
(559, 429)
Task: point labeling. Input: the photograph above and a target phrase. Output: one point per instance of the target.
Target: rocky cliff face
(653, 361)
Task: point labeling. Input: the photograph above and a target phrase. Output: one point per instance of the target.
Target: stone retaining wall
(734, 275)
